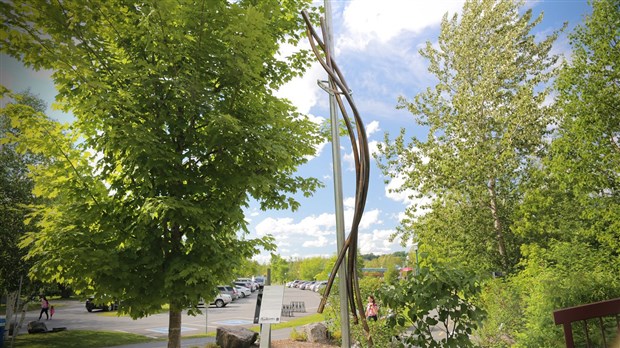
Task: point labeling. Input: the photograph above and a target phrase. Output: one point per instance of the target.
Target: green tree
(15, 195)
(310, 268)
(570, 216)
(174, 101)
(486, 119)
(279, 269)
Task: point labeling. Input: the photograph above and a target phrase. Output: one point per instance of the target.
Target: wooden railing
(598, 310)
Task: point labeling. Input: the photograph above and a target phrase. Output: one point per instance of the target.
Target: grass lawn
(78, 339)
(313, 318)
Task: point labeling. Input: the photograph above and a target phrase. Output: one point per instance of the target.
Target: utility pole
(337, 172)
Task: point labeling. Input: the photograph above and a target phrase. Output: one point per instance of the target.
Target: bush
(501, 302)
(439, 297)
(380, 332)
(563, 275)
(299, 335)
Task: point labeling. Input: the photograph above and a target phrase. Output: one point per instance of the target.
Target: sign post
(270, 307)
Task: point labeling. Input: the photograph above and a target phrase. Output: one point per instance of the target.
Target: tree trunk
(497, 225)
(174, 326)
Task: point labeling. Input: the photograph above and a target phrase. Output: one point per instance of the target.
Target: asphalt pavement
(73, 315)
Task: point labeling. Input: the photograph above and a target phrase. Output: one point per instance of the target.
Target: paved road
(73, 316)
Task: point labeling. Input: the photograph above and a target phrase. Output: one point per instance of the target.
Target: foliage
(381, 335)
(310, 268)
(391, 274)
(299, 335)
(385, 261)
(176, 130)
(15, 195)
(79, 339)
(571, 212)
(440, 297)
(279, 269)
(486, 119)
(565, 275)
(500, 299)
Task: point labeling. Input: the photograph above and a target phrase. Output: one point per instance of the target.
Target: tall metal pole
(337, 171)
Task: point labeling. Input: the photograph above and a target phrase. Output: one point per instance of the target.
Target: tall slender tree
(486, 119)
(174, 100)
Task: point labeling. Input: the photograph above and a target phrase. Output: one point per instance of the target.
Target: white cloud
(321, 241)
(303, 91)
(377, 242)
(407, 196)
(313, 231)
(368, 20)
(349, 202)
(372, 127)
(404, 196)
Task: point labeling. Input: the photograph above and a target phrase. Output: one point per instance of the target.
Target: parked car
(260, 280)
(319, 285)
(307, 285)
(92, 305)
(249, 283)
(293, 283)
(230, 290)
(243, 291)
(245, 283)
(222, 300)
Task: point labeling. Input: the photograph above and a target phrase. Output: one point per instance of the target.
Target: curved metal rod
(359, 145)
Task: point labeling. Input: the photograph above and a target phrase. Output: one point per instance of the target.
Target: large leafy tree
(570, 216)
(174, 101)
(486, 119)
(15, 195)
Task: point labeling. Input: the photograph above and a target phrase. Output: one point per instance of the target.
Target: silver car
(243, 291)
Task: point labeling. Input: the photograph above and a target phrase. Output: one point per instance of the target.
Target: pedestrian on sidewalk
(44, 307)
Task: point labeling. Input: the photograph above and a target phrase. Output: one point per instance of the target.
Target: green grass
(312, 318)
(78, 339)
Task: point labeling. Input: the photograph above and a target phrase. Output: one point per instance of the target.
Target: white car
(221, 300)
(243, 291)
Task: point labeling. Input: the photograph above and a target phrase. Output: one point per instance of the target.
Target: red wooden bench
(597, 310)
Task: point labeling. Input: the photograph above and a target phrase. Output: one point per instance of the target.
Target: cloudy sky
(377, 44)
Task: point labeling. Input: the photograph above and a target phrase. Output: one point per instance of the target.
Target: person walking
(372, 309)
(44, 307)
(52, 311)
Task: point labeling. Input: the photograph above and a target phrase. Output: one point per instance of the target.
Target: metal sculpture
(359, 143)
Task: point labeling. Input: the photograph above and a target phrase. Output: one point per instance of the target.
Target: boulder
(235, 337)
(36, 327)
(317, 332)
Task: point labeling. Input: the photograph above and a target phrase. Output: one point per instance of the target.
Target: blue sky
(376, 45)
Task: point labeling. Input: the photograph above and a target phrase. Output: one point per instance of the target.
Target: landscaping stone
(234, 337)
(316, 332)
(36, 327)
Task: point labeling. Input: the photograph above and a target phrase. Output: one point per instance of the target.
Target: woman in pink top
(44, 307)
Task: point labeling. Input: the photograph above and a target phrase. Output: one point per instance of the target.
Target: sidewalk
(280, 334)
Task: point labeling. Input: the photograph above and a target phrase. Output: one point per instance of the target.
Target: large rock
(317, 332)
(36, 327)
(234, 337)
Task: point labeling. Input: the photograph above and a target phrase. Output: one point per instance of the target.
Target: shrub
(298, 335)
(439, 297)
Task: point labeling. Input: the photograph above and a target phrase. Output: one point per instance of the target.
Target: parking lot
(73, 316)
